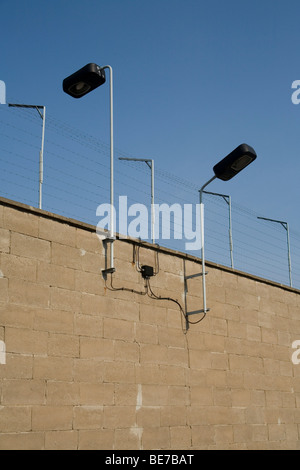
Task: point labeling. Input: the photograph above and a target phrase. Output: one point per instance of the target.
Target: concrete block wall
(88, 367)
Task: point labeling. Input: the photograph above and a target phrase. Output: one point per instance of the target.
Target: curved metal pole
(42, 158)
(150, 164)
(205, 309)
(289, 254)
(112, 229)
(227, 199)
(285, 225)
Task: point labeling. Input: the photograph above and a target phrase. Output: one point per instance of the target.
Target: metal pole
(227, 199)
(230, 234)
(205, 309)
(150, 164)
(41, 159)
(152, 203)
(289, 254)
(111, 166)
(286, 227)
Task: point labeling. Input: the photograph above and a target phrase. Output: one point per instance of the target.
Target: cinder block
(178, 357)
(62, 393)
(181, 437)
(153, 354)
(61, 440)
(171, 337)
(202, 436)
(90, 283)
(129, 352)
(201, 396)
(4, 289)
(18, 366)
(22, 441)
(148, 374)
(88, 417)
(88, 325)
(223, 434)
(52, 418)
(88, 241)
(154, 438)
(57, 276)
(96, 348)
(29, 247)
(173, 375)
(119, 372)
(260, 433)
(118, 417)
(242, 433)
(28, 293)
(53, 321)
(63, 345)
(96, 439)
(126, 394)
(148, 416)
(15, 419)
(53, 368)
(92, 262)
(25, 341)
(97, 394)
(18, 267)
(4, 240)
(146, 333)
(88, 370)
(65, 299)
(59, 232)
(64, 255)
(173, 416)
(277, 432)
(128, 439)
(20, 221)
(179, 395)
(114, 328)
(23, 392)
(155, 395)
(153, 314)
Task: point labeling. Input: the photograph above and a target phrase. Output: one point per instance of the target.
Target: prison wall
(91, 364)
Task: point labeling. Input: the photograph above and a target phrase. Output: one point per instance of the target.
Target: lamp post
(150, 164)
(227, 199)
(286, 227)
(78, 84)
(226, 169)
(41, 161)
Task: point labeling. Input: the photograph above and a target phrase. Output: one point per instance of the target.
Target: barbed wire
(76, 182)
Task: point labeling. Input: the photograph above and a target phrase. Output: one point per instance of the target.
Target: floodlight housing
(235, 162)
(84, 80)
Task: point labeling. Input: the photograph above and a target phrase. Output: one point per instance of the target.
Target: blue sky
(192, 80)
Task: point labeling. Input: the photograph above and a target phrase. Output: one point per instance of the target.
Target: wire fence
(76, 182)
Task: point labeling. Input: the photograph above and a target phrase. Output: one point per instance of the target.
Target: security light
(78, 84)
(84, 80)
(236, 161)
(226, 169)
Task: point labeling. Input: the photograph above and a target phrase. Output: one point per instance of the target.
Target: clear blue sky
(192, 80)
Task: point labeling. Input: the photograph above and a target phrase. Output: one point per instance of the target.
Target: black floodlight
(235, 162)
(84, 80)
